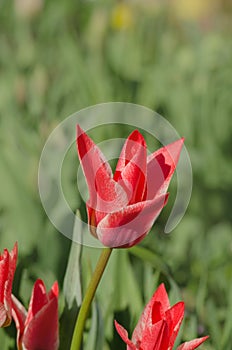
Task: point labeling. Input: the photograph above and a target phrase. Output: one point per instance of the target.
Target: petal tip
(79, 130)
(55, 289)
(137, 137)
(15, 249)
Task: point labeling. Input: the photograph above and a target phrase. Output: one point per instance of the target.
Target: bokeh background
(174, 56)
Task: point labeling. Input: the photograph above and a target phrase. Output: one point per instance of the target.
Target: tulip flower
(158, 326)
(7, 271)
(38, 328)
(123, 207)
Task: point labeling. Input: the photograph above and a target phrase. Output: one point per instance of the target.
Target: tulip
(158, 326)
(123, 207)
(37, 329)
(7, 271)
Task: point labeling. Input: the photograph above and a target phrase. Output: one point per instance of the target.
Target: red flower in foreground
(7, 271)
(158, 326)
(38, 328)
(123, 207)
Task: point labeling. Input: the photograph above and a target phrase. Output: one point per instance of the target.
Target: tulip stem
(91, 290)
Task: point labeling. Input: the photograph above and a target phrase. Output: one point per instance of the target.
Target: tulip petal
(54, 292)
(161, 166)
(7, 270)
(129, 225)
(158, 331)
(12, 266)
(131, 168)
(105, 194)
(124, 335)
(131, 146)
(42, 331)
(19, 315)
(38, 329)
(174, 317)
(153, 312)
(161, 296)
(155, 337)
(4, 268)
(193, 344)
(39, 298)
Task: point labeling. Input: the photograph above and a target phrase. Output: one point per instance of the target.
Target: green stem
(91, 290)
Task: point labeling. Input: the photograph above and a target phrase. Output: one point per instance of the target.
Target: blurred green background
(174, 56)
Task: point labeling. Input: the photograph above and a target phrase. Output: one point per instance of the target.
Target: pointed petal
(105, 194)
(161, 166)
(193, 344)
(153, 312)
(126, 227)
(131, 146)
(7, 271)
(93, 163)
(155, 337)
(124, 335)
(42, 331)
(174, 317)
(4, 269)
(161, 296)
(39, 298)
(19, 315)
(13, 255)
(131, 169)
(54, 292)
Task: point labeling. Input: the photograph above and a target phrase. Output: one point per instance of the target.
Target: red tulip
(123, 207)
(158, 326)
(7, 271)
(38, 328)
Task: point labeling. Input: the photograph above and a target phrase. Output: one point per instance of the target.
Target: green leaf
(72, 280)
(67, 324)
(126, 291)
(150, 257)
(6, 341)
(95, 336)
(227, 329)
